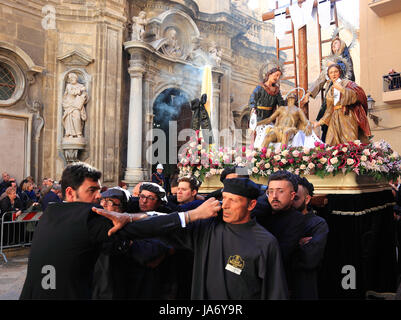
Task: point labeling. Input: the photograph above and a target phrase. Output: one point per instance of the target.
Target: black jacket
(68, 238)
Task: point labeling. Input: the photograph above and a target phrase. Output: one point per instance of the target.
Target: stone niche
(74, 97)
(173, 34)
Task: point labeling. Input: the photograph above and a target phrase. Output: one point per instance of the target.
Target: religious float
(352, 178)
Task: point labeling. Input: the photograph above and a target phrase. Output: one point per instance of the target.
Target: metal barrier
(17, 231)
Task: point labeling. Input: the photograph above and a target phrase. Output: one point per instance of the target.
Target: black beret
(155, 188)
(116, 192)
(242, 187)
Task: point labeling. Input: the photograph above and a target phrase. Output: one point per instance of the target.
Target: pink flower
(317, 144)
(243, 149)
(264, 149)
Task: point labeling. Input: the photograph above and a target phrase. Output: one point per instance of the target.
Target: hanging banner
(281, 24)
(324, 11)
(300, 16)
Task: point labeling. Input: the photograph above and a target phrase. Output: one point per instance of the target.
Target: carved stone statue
(138, 26)
(171, 46)
(215, 54)
(74, 99)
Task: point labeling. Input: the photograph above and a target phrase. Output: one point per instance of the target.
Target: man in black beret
(234, 257)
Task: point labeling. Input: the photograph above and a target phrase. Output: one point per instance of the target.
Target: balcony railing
(391, 82)
(392, 88)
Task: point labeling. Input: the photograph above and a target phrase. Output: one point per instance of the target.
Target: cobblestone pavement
(12, 274)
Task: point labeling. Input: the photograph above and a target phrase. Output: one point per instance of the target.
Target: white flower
(305, 158)
(334, 160)
(254, 160)
(350, 161)
(344, 149)
(255, 169)
(364, 158)
(284, 161)
(311, 165)
(295, 153)
(366, 152)
(357, 142)
(268, 153)
(285, 153)
(302, 167)
(323, 160)
(277, 157)
(306, 150)
(267, 165)
(238, 160)
(335, 152)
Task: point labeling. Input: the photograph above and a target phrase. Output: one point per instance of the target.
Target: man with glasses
(280, 218)
(152, 197)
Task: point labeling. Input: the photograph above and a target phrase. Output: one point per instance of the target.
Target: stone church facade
(125, 68)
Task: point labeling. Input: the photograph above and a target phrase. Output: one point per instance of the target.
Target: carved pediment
(76, 58)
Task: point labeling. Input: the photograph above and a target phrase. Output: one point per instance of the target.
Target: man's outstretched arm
(154, 226)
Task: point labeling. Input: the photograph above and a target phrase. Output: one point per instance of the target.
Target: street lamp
(371, 103)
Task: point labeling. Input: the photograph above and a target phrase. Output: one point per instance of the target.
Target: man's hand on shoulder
(206, 210)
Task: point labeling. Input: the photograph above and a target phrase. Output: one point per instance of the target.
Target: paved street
(12, 274)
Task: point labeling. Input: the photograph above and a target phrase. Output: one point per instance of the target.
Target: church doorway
(171, 105)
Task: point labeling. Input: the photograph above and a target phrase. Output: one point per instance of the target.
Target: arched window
(12, 81)
(7, 82)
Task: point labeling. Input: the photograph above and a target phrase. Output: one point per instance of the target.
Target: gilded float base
(349, 183)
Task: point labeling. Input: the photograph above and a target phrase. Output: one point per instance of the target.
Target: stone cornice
(135, 46)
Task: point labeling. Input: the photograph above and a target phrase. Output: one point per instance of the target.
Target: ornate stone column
(135, 171)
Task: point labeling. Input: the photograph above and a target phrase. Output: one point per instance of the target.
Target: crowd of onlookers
(27, 196)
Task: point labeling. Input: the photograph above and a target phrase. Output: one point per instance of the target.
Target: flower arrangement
(376, 159)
